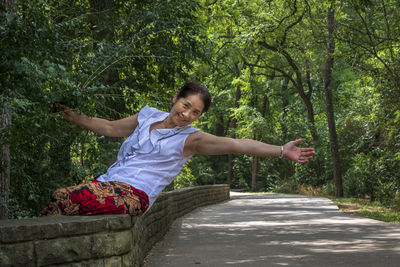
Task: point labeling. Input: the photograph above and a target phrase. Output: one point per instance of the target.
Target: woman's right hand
(68, 113)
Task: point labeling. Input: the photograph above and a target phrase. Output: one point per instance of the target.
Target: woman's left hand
(298, 154)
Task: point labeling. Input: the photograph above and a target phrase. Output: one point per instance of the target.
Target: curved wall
(106, 240)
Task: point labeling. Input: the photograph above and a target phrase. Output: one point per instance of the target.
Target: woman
(158, 145)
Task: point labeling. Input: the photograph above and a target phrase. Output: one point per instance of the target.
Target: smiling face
(186, 110)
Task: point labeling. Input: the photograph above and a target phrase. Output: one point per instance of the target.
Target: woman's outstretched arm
(118, 128)
(203, 143)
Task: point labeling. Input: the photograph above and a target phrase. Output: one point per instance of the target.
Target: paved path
(277, 230)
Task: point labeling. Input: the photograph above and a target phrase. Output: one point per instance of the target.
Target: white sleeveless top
(150, 161)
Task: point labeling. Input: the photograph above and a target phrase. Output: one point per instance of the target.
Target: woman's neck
(168, 123)
(164, 124)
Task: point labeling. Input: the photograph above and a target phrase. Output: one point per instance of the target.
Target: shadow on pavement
(277, 230)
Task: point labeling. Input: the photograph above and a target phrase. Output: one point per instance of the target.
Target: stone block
(113, 262)
(19, 254)
(63, 250)
(111, 244)
(49, 227)
(118, 222)
(128, 259)
(89, 263)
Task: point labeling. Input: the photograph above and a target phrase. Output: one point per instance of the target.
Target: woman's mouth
(181, 118)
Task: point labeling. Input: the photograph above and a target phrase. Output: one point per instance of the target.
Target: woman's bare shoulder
(191, 143)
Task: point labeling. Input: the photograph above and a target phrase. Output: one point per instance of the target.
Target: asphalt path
(276, 230)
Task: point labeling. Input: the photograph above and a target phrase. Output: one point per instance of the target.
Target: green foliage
(373, 175)
(366, 104)
(102, 62)
(111, 62)
(185, 178)
(209, 170)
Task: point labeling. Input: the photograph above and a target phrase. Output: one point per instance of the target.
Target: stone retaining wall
(106, 240)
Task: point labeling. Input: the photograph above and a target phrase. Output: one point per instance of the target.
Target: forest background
(325, 71)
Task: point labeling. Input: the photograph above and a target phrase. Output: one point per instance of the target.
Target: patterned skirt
(97, 198)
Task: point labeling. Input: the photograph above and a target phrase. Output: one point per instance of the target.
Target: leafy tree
(103, 58)
(337, 170)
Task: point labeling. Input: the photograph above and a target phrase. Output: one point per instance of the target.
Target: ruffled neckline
(142, 140)
(147, 140)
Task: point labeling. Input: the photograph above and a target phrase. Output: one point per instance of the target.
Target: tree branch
(299, 19)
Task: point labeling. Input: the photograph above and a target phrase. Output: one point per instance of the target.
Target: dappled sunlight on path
(277, 230)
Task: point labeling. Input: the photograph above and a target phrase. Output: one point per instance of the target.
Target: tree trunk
(285, 104)
(5, 161)
(334, 145)
(220, 129)
(7, 14)
(230, 169)
(265, 110)
(234, 126)
(254, 169)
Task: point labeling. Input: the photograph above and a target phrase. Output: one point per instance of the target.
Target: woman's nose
(186, 113)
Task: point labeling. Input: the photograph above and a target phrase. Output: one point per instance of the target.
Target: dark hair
(195, 88)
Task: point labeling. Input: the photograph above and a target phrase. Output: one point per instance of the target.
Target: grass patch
(365, 208)
(354, 206)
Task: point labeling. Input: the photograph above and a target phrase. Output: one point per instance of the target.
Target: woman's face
(186, 110)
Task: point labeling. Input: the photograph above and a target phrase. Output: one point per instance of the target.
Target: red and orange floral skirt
(97, 198)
